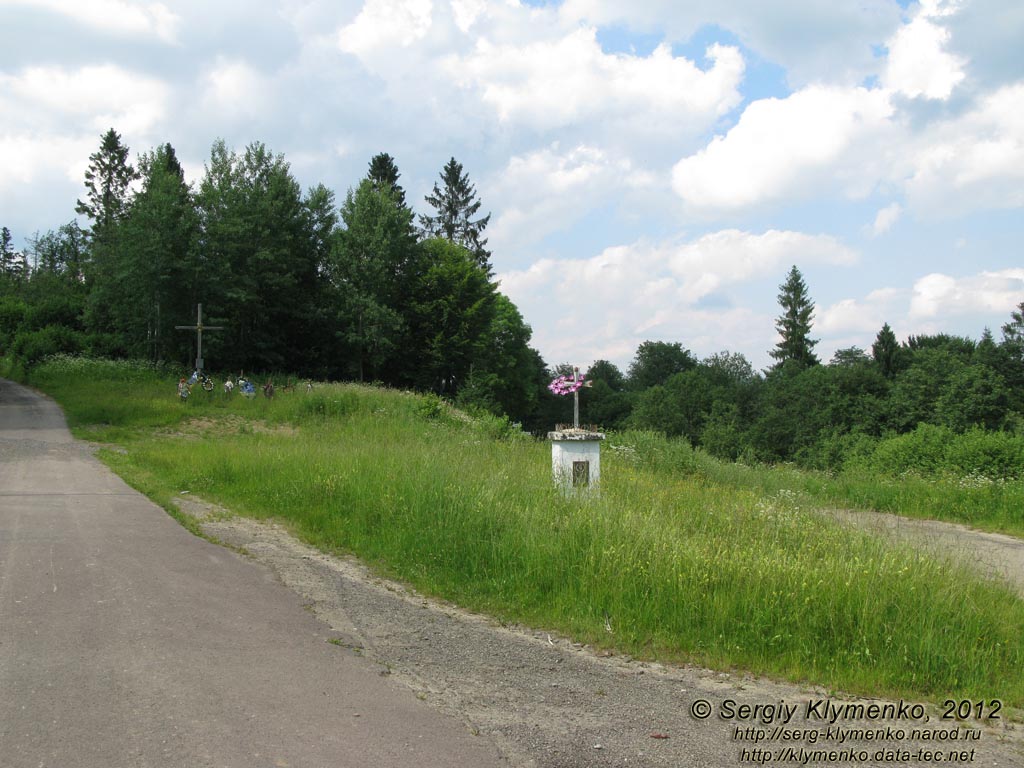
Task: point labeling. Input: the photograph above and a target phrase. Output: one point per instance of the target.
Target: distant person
(268, 390)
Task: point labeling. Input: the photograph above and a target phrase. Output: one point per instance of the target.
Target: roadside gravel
(546, 701)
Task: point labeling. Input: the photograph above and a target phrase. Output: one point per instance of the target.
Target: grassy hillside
(680, 558)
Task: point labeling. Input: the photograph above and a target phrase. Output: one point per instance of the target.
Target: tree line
(817, 415)
(303, 284)
(364, 289)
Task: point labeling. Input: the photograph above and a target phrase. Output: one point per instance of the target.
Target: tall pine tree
(107, 181)
(383, 171)
(456, 205)
(795, 323)
(886, 352)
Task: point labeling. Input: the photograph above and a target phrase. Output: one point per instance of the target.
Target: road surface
(127, 641)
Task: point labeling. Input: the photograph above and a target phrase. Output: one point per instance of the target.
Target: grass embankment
(667, 563)
(981, 502)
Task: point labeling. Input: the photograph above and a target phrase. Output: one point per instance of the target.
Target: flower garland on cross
(563, 385)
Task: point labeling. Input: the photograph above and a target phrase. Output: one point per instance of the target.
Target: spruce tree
(795, 323)
(456, 205)
(886, 352)
(13, 265)
(1013, 331)
(383, 171)
(107, 180)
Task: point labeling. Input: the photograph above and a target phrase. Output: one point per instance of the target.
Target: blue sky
(652, 168)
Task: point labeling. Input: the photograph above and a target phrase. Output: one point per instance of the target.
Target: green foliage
(507, 375)
(456, 205)
(915, 393)
(936, 451)
(12, 315)
(991, 455)
(794, 325)
(973, 396)
(32, 346)
(886, 352)
(384, 173)
(13, 265)
(450, 315)
(107, 181)
(656, 361)
(371, 269)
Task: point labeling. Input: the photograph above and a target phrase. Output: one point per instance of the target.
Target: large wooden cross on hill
(199, 328)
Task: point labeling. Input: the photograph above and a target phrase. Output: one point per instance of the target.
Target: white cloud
(97, 96)
(973, 161)
(938, 295)
(864, 316)
(116, 16)
(234, 89)
(466, 12)
(550, 83)
(383, 24)
(548, 190)
(886, 218)
(820, 135)
(626, 294)
(27, 159)
(731, 256)
(918, 64)
(813, 40)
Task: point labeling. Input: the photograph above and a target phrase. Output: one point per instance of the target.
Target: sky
(652, 169)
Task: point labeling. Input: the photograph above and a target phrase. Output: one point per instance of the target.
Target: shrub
(922, 451)
(33, 346)
(995, 455)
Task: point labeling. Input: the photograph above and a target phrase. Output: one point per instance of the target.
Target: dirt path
(550, 703)
(994, 554)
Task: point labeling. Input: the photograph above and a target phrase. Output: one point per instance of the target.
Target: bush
(12, 315)
(33, 346)
(932, 451)
(995, 455)
(921, 452)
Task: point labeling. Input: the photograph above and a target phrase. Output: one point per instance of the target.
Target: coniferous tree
(795, 323)
(372, 263)
(13, 265)
(886, 352)
(158, 265)
(384, 171)
(107, 180)
(456, 205)
(6, 251)
(1013, 331)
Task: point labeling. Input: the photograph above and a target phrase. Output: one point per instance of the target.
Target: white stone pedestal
(576, 459)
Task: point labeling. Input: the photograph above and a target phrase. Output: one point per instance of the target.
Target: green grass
(988, 504)
(678, 559)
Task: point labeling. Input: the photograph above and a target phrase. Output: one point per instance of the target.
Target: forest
(366, 290)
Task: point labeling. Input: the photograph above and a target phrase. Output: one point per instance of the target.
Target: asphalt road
(127, 641)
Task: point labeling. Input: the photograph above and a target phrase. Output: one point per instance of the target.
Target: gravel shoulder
(551, 703)
(993, 554)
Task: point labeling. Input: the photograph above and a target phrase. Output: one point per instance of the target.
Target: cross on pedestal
(199, 328)
(575, 399)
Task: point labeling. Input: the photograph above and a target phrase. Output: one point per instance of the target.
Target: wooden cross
(199, 328)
